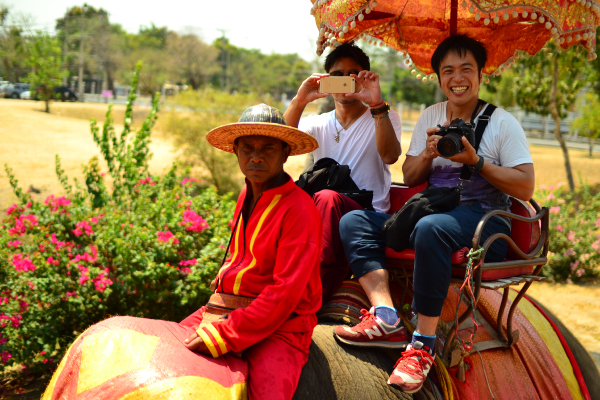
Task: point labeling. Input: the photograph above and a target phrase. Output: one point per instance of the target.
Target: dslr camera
(451, 142)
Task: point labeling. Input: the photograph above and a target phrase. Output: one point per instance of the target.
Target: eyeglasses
(340, 73)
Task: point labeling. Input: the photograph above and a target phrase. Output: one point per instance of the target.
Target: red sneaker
(373, 332)
(412, 368)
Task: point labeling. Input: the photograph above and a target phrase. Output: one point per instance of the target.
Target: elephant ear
(335, 371)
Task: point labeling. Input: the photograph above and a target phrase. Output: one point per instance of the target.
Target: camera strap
(482, 122)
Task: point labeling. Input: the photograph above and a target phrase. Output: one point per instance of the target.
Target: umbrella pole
(453, 16)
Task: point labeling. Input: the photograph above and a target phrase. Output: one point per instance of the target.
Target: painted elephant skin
(335, 371)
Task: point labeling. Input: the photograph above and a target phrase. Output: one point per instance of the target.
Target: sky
(280, 26)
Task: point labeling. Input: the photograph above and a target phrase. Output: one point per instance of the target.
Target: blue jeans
(434, 239)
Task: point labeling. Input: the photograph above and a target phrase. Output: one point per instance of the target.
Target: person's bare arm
(416, 169)
(387, 142)
(308, 92)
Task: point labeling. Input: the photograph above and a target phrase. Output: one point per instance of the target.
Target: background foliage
(148, 248)
(574, 254)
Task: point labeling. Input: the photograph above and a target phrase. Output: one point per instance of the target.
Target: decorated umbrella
(416, 27)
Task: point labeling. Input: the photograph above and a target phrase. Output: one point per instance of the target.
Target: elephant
(335, 371)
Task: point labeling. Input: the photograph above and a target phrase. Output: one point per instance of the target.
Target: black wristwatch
(477, 167)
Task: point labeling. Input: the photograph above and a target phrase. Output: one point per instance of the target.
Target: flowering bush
(147, 249)
(574, 253)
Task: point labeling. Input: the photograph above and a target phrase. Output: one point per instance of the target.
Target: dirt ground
(30, 138)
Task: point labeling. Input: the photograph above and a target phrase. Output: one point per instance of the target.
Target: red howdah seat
(528, 248)
(525, 235)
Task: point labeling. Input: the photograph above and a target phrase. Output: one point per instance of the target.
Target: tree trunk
(553, 106)
(591, 139)
(47, 105)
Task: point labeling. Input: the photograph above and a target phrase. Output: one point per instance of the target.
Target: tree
(44, 57)
(12, 45)
(548, 84)
(193, 62)
(588, 123)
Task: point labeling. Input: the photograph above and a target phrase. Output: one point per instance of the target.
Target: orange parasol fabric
(416, 27)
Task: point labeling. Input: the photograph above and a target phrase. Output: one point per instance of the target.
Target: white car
(26, 95)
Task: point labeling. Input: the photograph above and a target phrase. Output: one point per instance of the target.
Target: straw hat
(262, 120)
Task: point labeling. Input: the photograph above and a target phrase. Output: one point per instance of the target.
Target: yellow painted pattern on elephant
(108, 354)
(546, 332)
(188, 388)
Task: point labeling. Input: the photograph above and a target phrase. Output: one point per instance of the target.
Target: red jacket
(274, 257)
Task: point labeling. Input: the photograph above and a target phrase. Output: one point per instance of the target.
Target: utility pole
(66, 48)
(81, 87)
(224, 84)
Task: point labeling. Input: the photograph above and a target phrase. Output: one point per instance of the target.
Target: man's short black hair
(347, 50)
(459, 44)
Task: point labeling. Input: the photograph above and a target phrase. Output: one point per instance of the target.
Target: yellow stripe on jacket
(211, 328)
(238, 278)
(235, 250)
(211, 346)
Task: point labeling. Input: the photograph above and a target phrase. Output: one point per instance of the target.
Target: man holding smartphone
(363, 133)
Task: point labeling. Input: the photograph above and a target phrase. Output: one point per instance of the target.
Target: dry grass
(31, 138)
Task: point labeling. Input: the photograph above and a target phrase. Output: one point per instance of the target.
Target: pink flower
(188, 262)
(569, 252)
(14, 243)
(559, 228)
(42, 352)
(4, 357)
(580, 272)
(186, 270)
(57, 242)
(71, 294)
(598, 223)
(166, 236)
(21, 225)
(14, 207)
(571, 236)
(550, 196)
(193, 222)
(52, 261)
(596, 246)
(55, 204)
(147, 180)
(85, 226)
(101, 282)
(554, 210)
(189, 180)
(574, 265)
(22, 263)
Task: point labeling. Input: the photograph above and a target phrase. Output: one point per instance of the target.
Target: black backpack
(329, 174)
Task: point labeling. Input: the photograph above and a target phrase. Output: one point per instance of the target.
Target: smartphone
(337, 84)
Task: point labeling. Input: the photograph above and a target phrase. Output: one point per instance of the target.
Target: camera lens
(449, 145)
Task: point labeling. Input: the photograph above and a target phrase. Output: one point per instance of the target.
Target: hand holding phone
(337, 84)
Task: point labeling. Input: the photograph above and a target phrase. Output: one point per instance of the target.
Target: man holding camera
(502, 167)
(363, 133)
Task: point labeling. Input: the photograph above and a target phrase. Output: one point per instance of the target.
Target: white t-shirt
(357, 149)
(503, 143)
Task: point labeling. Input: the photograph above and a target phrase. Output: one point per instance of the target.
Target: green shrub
(574, 253)
(148, 248)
